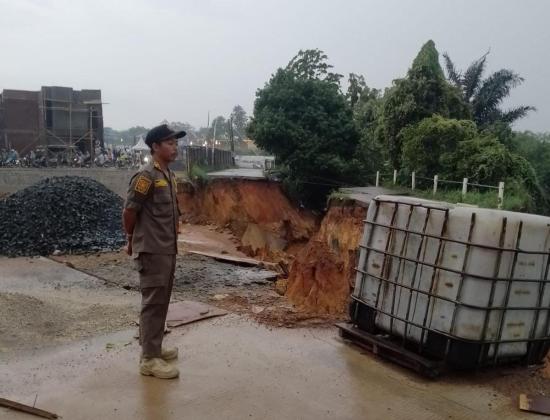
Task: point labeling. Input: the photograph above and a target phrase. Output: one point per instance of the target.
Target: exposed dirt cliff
(322, 257)
(268, 225)
(322, 274)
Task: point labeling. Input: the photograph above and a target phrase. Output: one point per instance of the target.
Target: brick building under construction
(54, 118)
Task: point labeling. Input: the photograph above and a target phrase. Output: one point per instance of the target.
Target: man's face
(166, 150)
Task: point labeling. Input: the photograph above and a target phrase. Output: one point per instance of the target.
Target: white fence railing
(436, 181)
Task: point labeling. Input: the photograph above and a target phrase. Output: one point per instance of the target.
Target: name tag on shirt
(161, 183)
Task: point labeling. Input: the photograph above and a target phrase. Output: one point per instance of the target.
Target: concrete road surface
(244, 173)
(231, 367)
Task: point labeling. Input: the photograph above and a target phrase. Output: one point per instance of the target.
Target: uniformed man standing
(151, 219)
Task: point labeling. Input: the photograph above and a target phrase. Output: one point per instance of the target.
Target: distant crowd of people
(8, 157)
(120, 157)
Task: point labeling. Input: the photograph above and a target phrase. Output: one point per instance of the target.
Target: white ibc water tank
(465, 274)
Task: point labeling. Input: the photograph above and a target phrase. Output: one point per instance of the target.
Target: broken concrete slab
(365, 195)
(187, 311)
(534, 404)
(208, 238)
(251, 262)
(12, 405)
(241, 173)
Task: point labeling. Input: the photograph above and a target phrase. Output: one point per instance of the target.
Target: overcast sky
(179, 59)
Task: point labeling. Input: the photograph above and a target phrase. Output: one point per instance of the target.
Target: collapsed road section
(317, 255)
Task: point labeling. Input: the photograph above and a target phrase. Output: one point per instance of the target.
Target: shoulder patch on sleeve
(142, 185)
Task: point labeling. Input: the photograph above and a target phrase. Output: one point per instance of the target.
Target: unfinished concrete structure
(53, 117)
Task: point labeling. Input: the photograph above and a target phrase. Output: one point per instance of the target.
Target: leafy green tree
(313, 65)
(368, 116)
(219, 128)
(128, 136)
(429, 145)
(455, 149)
(240, 120)
(356, 87)
(486, 160)
(111, 136)
(535, 147)
(423, 93)
(502, 131)
(302, 117)
(203, 133)
(188, 128)
(178, 125)
(485, 96)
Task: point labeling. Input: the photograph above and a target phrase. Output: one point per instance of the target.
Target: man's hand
(128, 247)
(129, 222)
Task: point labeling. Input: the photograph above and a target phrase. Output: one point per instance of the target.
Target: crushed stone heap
(69, 214)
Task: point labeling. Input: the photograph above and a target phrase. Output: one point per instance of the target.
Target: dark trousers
(156, 278)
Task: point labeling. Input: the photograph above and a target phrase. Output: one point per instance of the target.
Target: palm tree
(486, 95)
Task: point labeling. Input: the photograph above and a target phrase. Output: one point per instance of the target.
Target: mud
(196, 278)
(321, 277)
(248, 291)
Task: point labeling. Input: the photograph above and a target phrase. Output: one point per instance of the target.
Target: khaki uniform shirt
(152, 194)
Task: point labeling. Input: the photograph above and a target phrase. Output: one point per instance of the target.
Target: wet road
(234, 369)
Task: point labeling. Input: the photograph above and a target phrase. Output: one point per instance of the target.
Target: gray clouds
(178, 59)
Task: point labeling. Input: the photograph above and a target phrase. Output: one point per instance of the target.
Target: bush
(199, 175)
(428, 144)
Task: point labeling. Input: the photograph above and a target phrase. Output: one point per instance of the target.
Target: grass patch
(338, 195)
(340, 198)
(199, 175)
(515, 199)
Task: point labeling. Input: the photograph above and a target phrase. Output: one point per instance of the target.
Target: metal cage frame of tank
(448, 347)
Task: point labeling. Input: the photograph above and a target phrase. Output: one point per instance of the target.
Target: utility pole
(91, 139)
(231, 139)
(71, 130)
(214, 141)
(207, 130)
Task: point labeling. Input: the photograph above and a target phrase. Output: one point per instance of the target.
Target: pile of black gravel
(68, 214)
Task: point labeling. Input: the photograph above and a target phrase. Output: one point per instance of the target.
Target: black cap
(160, 133)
